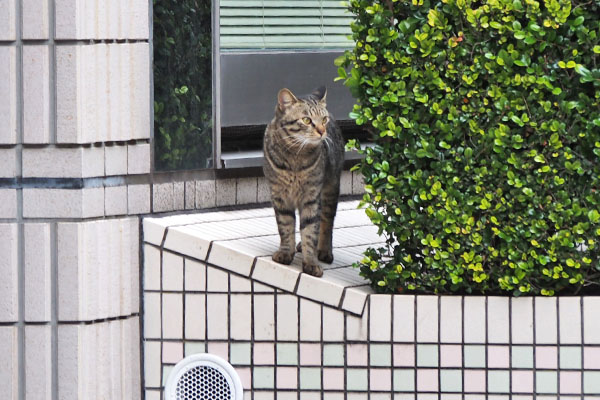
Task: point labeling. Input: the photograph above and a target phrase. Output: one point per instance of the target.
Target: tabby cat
(304, 153)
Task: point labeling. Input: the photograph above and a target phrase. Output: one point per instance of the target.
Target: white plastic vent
(203, 377)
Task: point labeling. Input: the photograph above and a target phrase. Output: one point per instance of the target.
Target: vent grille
(203, 377)
(265, 24)
(203, 383)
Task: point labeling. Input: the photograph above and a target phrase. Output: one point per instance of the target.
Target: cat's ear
(285, 98)
(320, 93)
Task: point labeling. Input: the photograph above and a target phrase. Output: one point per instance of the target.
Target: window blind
(270, 24)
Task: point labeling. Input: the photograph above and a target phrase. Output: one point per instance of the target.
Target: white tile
(522, 320)
(68, 92)
(195, 275)
(115, 200)
(35, 19)
(427, 319)
(115, 159)
(7, 20)
(36, 94)
(310, 320)
(172, 316)
(102, 117)
(355, 299)
(264, 320)
(498, 319)
(217, 316)
(135, 263)
(53, 203)
(320, 290)
(71, 271)
(241, 317)
(70, 363)
(8, 159)
(92, 202)
(184, 240)
(38, 362)
(195, 326)
(115, 375)
(451, 319)
(9, 373)
(172, 271)
(333, 325)
(115, 108)
(217, 280)
(138, 199)
(239, 284)
(357, 327)
(546, 320)
(138, 20)
(88, 66)
(9, 284)
(126, 100)
(37, 273)
(380, 318)
(8, 86)
(93, 161)
(474, 319)
(152, 364)
(230, 255)
(140, 88)
(287, 317)
(8, 203)
(569, 315)
(275, 274)
(138, 158)
(591, 322)
(404, 317)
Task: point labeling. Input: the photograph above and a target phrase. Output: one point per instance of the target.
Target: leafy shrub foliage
(485, 176)
(182, 84)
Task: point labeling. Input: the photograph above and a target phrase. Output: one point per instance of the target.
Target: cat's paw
(325, 256)
(299, 247)
(312, 269)
(283, 257)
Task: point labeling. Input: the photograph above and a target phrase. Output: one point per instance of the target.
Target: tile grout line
(20, 215)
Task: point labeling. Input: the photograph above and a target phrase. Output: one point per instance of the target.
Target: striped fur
(304, 153)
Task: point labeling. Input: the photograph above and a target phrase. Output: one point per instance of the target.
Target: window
(276, 24)
(215, 89)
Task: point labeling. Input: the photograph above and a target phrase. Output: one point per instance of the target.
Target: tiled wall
(402, 347)
(74, 134)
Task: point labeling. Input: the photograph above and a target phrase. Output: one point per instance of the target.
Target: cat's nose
(321, 129)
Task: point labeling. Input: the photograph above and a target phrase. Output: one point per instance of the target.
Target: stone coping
(242, 241)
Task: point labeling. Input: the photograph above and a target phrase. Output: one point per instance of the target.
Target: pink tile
(219, 349)
(172, 352)
(474, 381)
(522, 381)
(591, 358)
(570, 382)
(498, 357)
(245, 376)
(264, 354)
(333, 378)
(357, 354)
(287, 377)
(546, 357)
(427, 380)
(404, 355)
(310, 354)
(381, 379)
(451, 355)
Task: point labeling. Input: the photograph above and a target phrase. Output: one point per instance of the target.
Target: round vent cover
(203, 377)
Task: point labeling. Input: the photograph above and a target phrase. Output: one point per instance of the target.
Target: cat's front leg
(286, 224)
(310, 219)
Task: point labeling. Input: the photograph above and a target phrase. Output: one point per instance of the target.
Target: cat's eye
(307, 120)
(325, 119)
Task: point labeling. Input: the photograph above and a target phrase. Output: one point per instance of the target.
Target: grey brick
(247, 190)
(226, 192)
(162, 197)
(205, 194)
(190, 195)
(138, 199)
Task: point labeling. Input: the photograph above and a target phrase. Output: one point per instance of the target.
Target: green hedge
(182, 84)
(485, 175)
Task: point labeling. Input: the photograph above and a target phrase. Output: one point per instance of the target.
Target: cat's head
(306, 117)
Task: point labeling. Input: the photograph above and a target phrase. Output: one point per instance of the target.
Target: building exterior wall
(74, 175)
